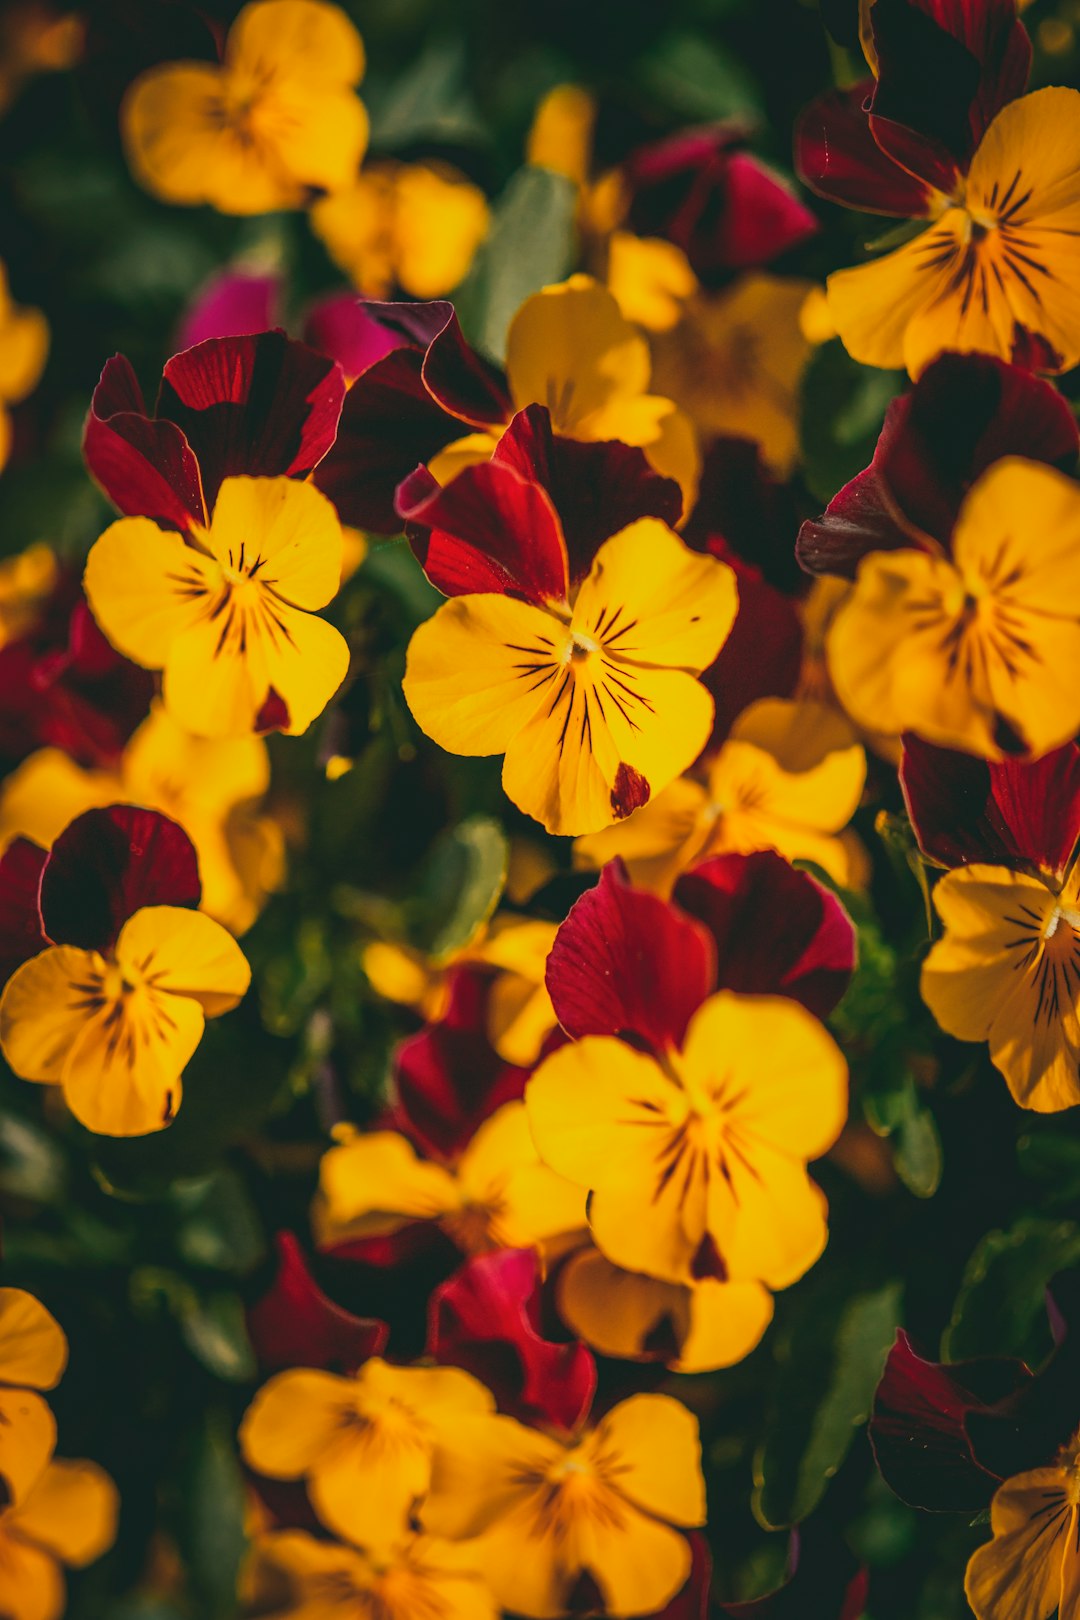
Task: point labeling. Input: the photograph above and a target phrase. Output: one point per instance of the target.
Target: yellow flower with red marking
(277, 120)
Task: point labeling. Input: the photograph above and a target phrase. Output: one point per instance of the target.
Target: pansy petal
(837, 156)
(375, 1181)
(122, 1077)
(294, 1324)
(145, 588)
(146, 467)
(292, 530)
(1018, 1573)
(659, 1449)
(43, 1011)
(72, 1511)
(21, 933)
(295, 1418)
(33, 1349)
(37, 1587)
(570, 348)
(27, 1438)
(107, 865)
(186, 953)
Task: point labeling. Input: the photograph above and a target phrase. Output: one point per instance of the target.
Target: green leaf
(1052, 1158)
(430, 101)
(212, 1527)
(842, 409)
(693, 77)
(829, 1362)
(218, 1225)
(1000, 1309)
(459, 888)
(215, 1331)
(917, 1148)
(530, 243)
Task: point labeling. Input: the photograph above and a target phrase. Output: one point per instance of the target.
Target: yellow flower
(556, 1518)
(560, 137)
(789, 778)
(1008, 971)
(596, 706)
(230, 617)
(277, 120)
(413, 226)
(27, 581)
(979, 650)
(115, 1030)
(651, 280)
(1032, 1566)
(68, 1518)
(1000, 261)
(570, 348)
(292, 1576)
(24, 345)
(498, 1195)
(364, 1444)
(209, 786)
(33, 1355)
(696, 1167)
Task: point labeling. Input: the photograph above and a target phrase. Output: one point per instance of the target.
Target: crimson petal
(294, 1324)
(21, 933)
(1018, 813)
(776, 930)
(232, 303)
(342, 327)
(460, 381)
(106, 865)
(145, 467)
(626, 962)
(261, 405)
(486, 1318)
(837, 156)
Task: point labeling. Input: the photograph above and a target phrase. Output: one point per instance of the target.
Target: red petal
(260, 405)
(489, 529)
(626, 962)
(21, 933)
(692, 1602)
(596, 489)
(342, 327)
(459, 380)
(776, 930)
(486, 1318)
(145, 467)
(106, 865)
(232, 303)
(449, 1078)
(741, 502)
(837, 156)
(294, 1324)
(1017, 813)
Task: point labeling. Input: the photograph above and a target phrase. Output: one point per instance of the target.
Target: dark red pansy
(965, 412)
(294, 1324)
(837, 156)
(762, 656)
(741, 506)
(404, 408)
(824, 1580)
(260, 405)
(449, 1079)
(21, 933)
(775, 929)
(918, 1426)
(487, 1318)
(626, 962)
(232, 303)
(108, 864)
(725, 209)
(1019, 813)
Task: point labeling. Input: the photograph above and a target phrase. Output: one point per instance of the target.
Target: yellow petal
(43, 1010)
(560, 137)
(651, 279)
(484, 1470)
(32, 1585)
(375, 1182)
(122, 1076)
(296, 1418)
(24, 345)
(570, 348)
(296, 39)
(47, 791)
(501, 1169)
(658, 1450)
(658, 841)
(1018, 1573)
(27, 1438)
(146, 588)
(638, 1564)
(72, 1511)
(185, 953)
(874, 305)
(33, 1349)
(285, 534)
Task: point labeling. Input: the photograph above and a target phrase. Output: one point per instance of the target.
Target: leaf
(213, 1519)
(693, 77)
(530, 243)
(215, 1331)
(460, 887)
(842, 409)
(917, 1147)
(829, 1362)
(218, 1225)
(1052, 1158)
(1000, 1309)
(430, 101)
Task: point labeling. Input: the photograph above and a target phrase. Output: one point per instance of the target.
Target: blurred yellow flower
(24, 346)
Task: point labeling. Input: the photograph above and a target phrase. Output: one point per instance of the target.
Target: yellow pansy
(24, 345)
(789, 777)
(69, 1518)
(277, 120)
(363, 1444)
(1031, 1567)
(979, 650)
(33, 1355)
(291, 1576)
(229, 617)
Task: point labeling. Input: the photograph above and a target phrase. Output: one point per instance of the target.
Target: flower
(581, 1521)
(24, 345)
(69, 1518)
(1031, 1566)
(118, 975)
(290, 1575)
(211, 787)
(276, 120)
(364, 1444)
(294, 1324)
(977, 649)
(496, 1195)
(591, 723)
(229, 616)
(789, 777)
(413, 226)
(33, 1355)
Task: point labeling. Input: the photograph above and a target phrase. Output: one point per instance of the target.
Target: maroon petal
(294, 1324)
(449, 1078)
(21, 933)
(626, 962)
(692, 1602)
(145, 467)
(856, 521)
(488, 530)
(965, 412)
(762, 656)
(1017, 813)
(261, 405)
(837, 156)
(342, 327)
(596, 489)
(776, 930)
(106, 865)
(459, 380)
(486, 1318)
(756, 515)
(917, 1428)
(233, 303)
